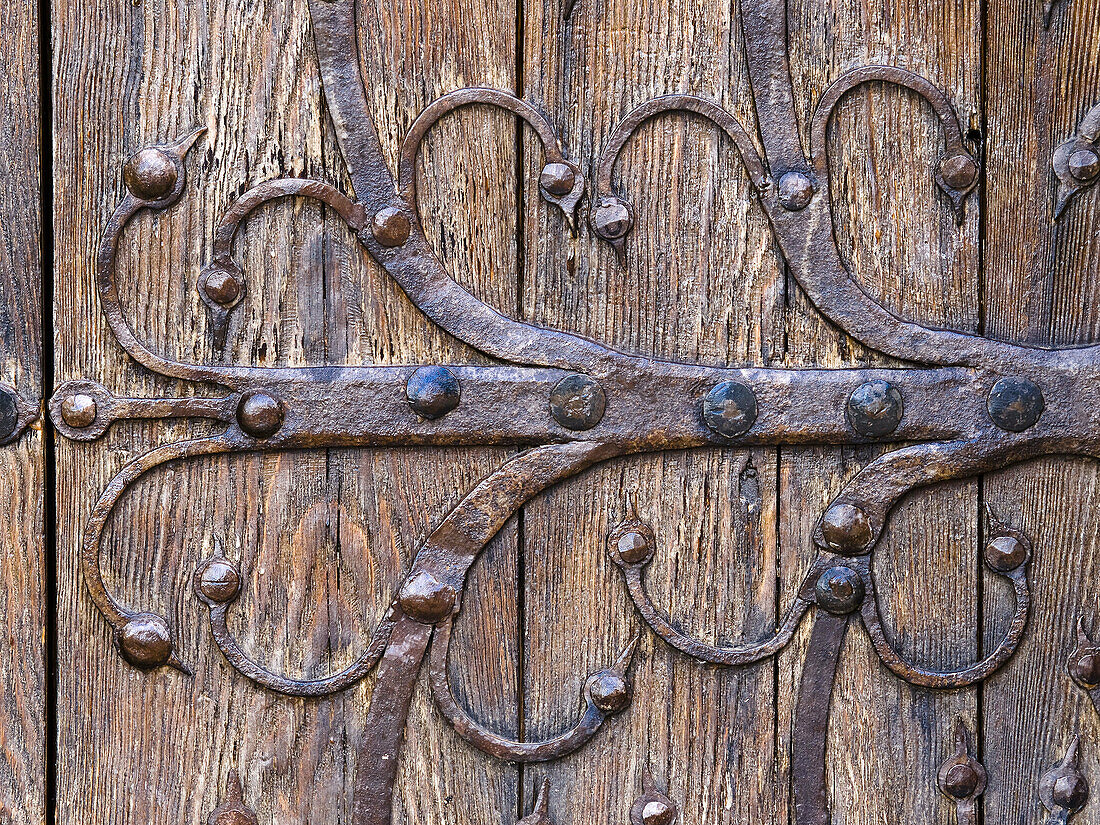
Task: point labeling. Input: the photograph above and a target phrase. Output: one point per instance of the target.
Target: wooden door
(718, 381)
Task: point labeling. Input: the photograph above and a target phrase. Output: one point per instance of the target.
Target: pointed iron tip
(181, 146)
(623, 660)
(174, 661)
(542, 800)
(619, 244)
(1048, 10)
(235, 791)
(1064, 197)
(648, 785)
(1082, 634)
(963, 742)
(567, 10)
(1070, 760)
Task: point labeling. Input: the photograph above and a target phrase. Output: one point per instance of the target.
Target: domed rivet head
(846, 529)
(796, 190)
(1015, 404)
(959, 171)
(1071, 791)
(961, 781)
(432, 392)
(222, 286)
(1084, 667)
(151, 174)
(609, 691)
(875, 408)
(577, 402)
(633, 547)
(730, 409)
(611, 219)
(219, 581)
(1005, 553)
(839, 590)
(657, 812)
(145, 641)
(1084, 165)
(9, 413)
(390, 226)
(78, 410)
(558, 179)
(259, 414)
(426, 599)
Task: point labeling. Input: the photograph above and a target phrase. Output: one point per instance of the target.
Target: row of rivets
(847, 530)
(875, 408)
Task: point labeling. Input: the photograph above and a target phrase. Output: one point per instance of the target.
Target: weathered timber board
(23, 670)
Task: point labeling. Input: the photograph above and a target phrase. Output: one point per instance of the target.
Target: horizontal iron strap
(674, 406)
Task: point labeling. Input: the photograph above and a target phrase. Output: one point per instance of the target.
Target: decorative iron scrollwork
(973, 405)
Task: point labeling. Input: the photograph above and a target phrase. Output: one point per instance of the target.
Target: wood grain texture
(1040, 287)
(323, 537)
(702, 283)
(22, 551)
(898, 234)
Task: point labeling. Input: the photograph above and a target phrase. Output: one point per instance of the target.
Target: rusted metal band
(384, 728)
(605, 693)
(764, 25)
(811, 719)
(964, 677)
(336, 38)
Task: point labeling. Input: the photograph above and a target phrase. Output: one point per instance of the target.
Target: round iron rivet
(846, 529)
(839, 590)
(426, 599)
(1005, 553)
(390, 226)
(796, 190)
(875, 408)
(730, 409)
(959, 171)
(432, 392)
(79, 410)
(577, 402)
(219, 581)
(1070, 791)
(609, 691)
(961, 781)
(1084, 165)
(145, 641)
(9, 413)
(1085, 669)
(1015, 404)
(657, 812)
(259, 414)
(611, 219)
(222, 286)
(634, 547)
(557, 179)
(151, 174)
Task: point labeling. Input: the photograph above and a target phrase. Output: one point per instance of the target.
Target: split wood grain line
(323, 539)
(1040, 283)
(700, 284)
(22, 465)
(887, 739)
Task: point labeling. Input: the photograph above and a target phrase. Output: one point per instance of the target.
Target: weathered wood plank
(323, 538)
(701, 283)
(22, 550)
(899, 236)
(1040, 286)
